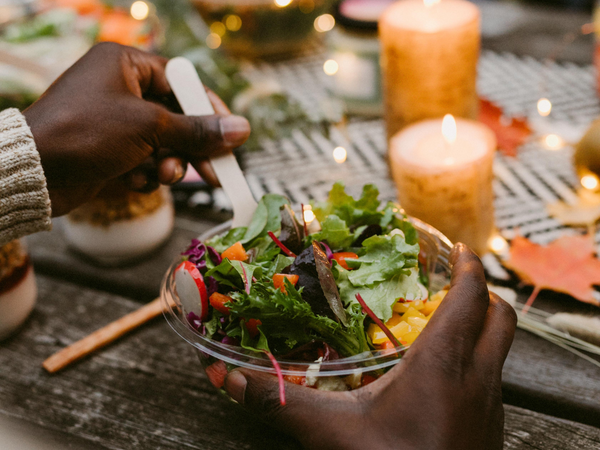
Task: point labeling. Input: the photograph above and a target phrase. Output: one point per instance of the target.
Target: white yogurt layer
(16, 304)
(123, 240)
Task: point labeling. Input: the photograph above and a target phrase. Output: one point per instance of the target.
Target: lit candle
(443, 172)
(429, 60)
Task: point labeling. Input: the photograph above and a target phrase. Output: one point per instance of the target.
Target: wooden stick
(103, 336)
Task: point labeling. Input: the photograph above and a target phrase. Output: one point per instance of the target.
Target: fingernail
(456, 250)
(235, 130)
(235, 385)
(177, 174)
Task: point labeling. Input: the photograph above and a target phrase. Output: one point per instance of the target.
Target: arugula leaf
(384, 257)
(289, 318)
(335, 232)
(231, 273)
(380, 297)
(256, 345)
(266, 217)
(258, 222)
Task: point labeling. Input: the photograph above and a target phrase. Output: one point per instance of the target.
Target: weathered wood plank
(147, 392)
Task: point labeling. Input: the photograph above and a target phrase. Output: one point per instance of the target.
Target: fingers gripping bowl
(342, 351)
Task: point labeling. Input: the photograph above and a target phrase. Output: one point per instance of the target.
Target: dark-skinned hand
(444, 394)
(107, 118)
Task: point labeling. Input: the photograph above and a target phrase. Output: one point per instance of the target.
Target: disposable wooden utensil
(194, 101)
(103, 336)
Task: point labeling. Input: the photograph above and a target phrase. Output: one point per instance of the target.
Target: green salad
(296, 290)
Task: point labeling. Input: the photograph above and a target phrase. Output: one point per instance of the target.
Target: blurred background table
(147, 391)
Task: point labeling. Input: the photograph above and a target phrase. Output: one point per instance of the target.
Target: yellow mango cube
(430, 307)
(401, 308)
(410, 337)
(396, 326)
(417, 323)
(438, 295)
(412, 312)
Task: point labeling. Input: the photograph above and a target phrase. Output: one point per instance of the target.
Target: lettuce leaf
(354, 212)
(335, 232)
(381, 296)
(383, 257)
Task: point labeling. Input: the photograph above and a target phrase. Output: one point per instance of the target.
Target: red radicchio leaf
(330, 289)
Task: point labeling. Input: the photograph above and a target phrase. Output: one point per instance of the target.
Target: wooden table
(147, 391)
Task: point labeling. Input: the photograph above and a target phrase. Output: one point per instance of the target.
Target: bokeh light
(282, 3)
(340, 154)
(308, 214)
(140, 10)
(233, 22)
(213, 41)
(553, 142)
(218, 28)
(330, 67)
(544, 107)
(589, 182)
(324, 22)
(498, 244)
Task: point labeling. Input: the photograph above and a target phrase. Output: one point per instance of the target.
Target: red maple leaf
(510, 133)
(565, 265)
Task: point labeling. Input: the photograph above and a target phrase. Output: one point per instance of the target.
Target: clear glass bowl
(256, 28)
(217, 359)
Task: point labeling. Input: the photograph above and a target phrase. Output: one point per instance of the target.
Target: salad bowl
(346, 373)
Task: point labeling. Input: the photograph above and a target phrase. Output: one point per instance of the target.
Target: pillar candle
(445, 179)
(429, 60)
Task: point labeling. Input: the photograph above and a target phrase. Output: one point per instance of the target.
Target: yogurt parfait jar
(18, 289)
(117, 228)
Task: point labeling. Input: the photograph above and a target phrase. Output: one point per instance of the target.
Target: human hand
(108, 117)
(444, 394)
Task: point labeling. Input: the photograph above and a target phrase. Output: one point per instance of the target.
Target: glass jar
(18, 289)
(112, 230)
(354, 46)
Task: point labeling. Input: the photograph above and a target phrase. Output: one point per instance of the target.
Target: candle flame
(430, 3)
(449, 129)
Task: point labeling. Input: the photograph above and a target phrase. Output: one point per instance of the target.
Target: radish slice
(192, 290)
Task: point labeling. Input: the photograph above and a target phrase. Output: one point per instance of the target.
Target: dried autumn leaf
(565, 265)
(510, 133)
(585, 212)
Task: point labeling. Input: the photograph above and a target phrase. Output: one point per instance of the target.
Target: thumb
(305, 412)
(201, 136)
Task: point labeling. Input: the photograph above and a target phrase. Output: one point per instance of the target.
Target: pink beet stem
(283, 248)
(531, 299)
(376, 319)
(279, 378)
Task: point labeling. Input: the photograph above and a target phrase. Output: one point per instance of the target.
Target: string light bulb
(324, 23)
(498, 244)
(330, 67)
(340, 154)
(308, 214)
(282, 3)
(139, 10)
(544, 107)
(589, 182)
(553, 142)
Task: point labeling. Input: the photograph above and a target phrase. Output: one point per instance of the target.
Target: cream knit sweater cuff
(24, 201)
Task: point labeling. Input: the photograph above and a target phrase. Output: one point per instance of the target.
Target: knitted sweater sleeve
(24, 200)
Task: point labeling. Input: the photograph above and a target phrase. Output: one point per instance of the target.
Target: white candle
(445, 177)
(429, 60)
